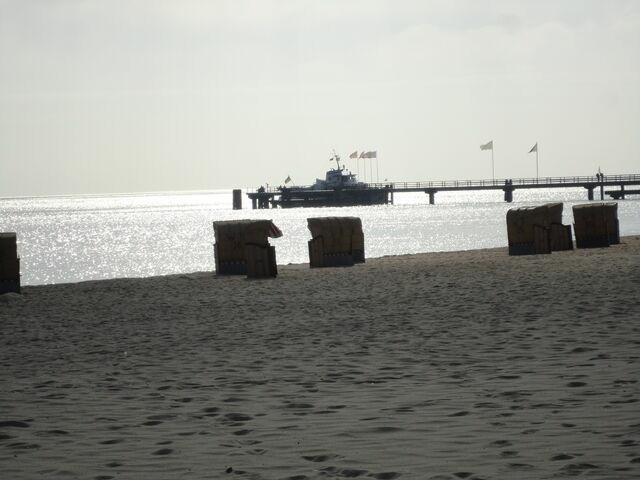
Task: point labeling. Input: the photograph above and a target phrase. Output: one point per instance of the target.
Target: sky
(170, 95)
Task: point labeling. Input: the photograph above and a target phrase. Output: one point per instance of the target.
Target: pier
(277, 197)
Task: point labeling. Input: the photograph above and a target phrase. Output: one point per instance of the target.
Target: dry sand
(444, 366)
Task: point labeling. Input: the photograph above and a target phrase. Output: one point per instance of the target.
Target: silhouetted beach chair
(9, 263)
(596, 224)
(336, 241)
(242, 247)
(533, 230)
(559, 235)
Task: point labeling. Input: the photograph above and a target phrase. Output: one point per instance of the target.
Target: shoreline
(469, 364)
(502, 250)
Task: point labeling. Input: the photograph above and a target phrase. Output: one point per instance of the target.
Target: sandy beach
(435, 366)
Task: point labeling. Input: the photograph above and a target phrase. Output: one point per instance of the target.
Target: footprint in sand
(318, 458)
(23, 446)
(55, 432)
(14, 423)
(151, 423)
(238, 417)
(509, 454)
(385, 429)
(299, 405)
(385, 475)
(165, 416)
(576, 384)
(629, 443)
(501, 443)
(163, 451)
(111, 441)
(578, 468)
(347, 472)
(233, 400)
(562, 456)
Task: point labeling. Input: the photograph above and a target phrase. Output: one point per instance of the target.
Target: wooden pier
(621, 194)
(272, 198)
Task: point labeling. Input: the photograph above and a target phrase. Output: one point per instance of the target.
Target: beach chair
(559, 235)
(335, 242)
(534, 230)
(596, 224)
(242, 248)
(527, 231)
(9, 263)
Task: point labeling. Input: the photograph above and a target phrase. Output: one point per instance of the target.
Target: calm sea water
(70, 239)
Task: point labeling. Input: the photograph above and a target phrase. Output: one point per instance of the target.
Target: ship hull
(292, 198)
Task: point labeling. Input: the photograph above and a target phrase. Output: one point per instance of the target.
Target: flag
(354, 155)
(534, 148)
(287, 180)
(373, 154)
(363, 155)
(487, 146)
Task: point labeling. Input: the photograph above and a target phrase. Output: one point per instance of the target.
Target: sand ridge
(443, 366)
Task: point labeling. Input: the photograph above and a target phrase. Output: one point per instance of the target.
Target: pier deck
(273, 197)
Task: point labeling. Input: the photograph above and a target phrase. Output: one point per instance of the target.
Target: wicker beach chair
(596, 224)
(534, 230)
(242, 248)
(9, 263)
(336, 241)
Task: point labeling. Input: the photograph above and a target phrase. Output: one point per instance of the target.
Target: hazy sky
(135, 95)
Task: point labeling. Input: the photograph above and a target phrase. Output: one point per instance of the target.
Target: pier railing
(499, 183)
(493, 183)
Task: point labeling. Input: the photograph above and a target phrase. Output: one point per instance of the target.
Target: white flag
(534, 148)
(487, 146)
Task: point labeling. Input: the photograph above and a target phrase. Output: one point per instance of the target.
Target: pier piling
(508, 191)
(237, 199)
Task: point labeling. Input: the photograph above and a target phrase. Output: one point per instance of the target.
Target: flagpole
(493, 172)
(537, 148)
(377, 170)
(364, 169)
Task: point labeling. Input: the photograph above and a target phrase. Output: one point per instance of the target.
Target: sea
(66, 239)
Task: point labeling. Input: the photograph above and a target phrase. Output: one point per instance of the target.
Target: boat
(337, 178)
(339, 188)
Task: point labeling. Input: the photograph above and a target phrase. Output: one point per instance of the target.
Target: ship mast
(336, 157)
